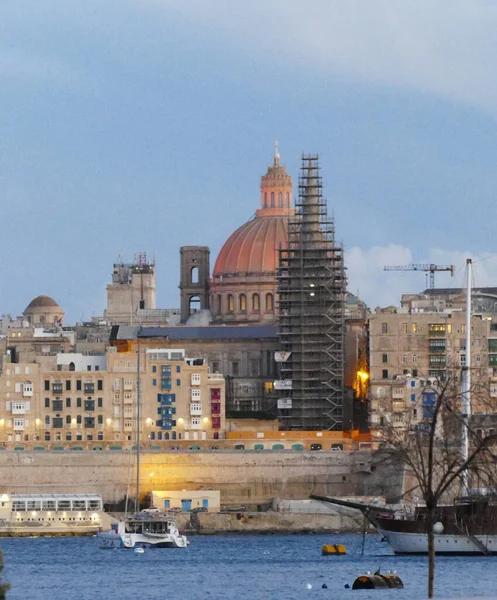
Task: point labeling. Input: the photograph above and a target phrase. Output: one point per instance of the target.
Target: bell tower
(194, 280)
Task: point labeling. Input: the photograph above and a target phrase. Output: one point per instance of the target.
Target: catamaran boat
(468, 526)
(143, 529)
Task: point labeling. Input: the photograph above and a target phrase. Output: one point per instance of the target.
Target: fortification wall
(243, 477)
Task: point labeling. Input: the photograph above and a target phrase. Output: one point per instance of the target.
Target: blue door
(205, 503)
(167, 503)
(186, 505)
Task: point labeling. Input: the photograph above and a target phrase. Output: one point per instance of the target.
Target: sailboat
(143, 528)
(467, 527)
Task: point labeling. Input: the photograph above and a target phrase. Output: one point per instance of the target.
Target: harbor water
(272, 567)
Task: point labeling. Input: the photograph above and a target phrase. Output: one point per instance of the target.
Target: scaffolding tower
(311, 288)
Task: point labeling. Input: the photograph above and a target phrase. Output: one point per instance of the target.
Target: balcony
(195, 410)
(195, 424)
(18, 409)
(27, 390)
(195, 379)
(57, 388)
(215, 408)
(89, 388)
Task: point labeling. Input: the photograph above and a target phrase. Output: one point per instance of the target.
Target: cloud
(438, 48)
(385, 288)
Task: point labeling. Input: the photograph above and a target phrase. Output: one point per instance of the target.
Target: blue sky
(130, 125)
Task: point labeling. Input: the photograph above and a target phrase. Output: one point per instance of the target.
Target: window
(384, 358)
(195, 421)
(195, 379)
(269, 301)
(449, 328)
(280, 199)
(97, 368)
(100, 419)
(100, 385)
(243, 303)
(384, 374)
(78, 402)
(68, 402)
(100, 402)
(178, 368)
(414, 328)
(78, 419)
(57, 405)
(78, 385)
(414, 372)
(68, 436)
(88, 368)
(414, 359)
(89, 405)
(384, 328)
(404, 358)
(47, 385)
(47, 436)
(58, 422)
(154, 382)
(68, 385)
(178, 381)
(231, 303)
(89, 422)
(47, 402)
(272, 199)
(463, 329)
(68, 419)
(215, 367)
(18, 424)
(265, 199)
(235, 368)
(154, 368)
(255, 302)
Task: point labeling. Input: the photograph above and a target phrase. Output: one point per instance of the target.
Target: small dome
(42, 302)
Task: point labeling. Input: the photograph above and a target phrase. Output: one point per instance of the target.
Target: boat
(150, 527)
(468, 526)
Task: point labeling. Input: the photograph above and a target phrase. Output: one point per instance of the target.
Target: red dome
(253, 247)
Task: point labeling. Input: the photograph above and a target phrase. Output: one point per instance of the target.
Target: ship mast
(138, 403)
(466, 385)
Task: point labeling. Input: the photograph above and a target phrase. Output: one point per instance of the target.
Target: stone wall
(243, 478)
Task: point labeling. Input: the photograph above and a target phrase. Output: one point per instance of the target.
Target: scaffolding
(311, 288)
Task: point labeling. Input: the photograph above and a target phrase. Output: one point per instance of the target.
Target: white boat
(143, 529)
(150, 527)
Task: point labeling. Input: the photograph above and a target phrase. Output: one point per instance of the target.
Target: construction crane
(427, 268)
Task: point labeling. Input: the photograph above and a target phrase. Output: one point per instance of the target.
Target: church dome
(253, 247)
(244, 284)
(42, 302)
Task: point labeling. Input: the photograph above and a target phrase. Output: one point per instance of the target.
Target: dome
(253, 247)
(42, 302)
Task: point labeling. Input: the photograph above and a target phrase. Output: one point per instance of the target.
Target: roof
(209, 333)
(253, 247)
(457, 291)
(42, 302)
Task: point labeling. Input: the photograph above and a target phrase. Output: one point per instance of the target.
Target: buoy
(333, 549)
(308, 586)
(377, 581)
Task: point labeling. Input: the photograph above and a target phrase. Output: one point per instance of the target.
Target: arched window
(219, 304)
(68, 436)
(68, 419)
(194, 304)
(231, 303)
(159, 435)
(272, 199)
(100, 436)
(166, 435)
(280, 199)
(47, 420)
(72, 366)
(194, 275)
(269, 301)
(174, 435)
(255, 302)
(265, 199)
(243, 303)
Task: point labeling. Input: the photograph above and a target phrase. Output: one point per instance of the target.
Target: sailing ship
(468, 527)
(143, 528)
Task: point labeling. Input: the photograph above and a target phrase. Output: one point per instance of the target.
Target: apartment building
(90, 399)
(407, 346)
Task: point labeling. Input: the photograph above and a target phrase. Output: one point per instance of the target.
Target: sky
(145, 125)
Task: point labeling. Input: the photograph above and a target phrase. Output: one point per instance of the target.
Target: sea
(263, 567)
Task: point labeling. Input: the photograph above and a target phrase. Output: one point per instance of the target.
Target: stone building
(428, 344)
(53, 403)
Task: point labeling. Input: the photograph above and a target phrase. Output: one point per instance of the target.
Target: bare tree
(428, 443)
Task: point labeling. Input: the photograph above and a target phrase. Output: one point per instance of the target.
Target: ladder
(480, 545)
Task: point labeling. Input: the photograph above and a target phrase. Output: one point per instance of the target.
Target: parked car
(174, 447)
(152, 510)
(316, 447)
